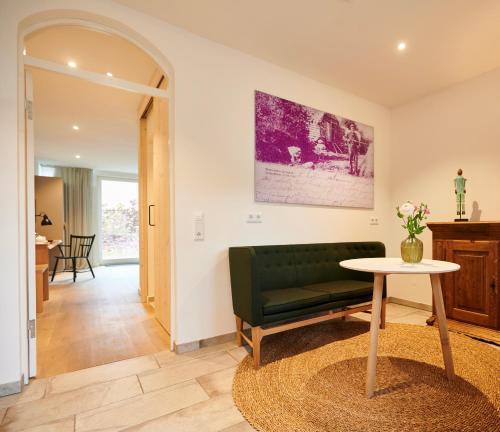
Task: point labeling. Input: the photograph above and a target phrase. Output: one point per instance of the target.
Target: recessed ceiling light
(109, 74)
(77, 156)
(76, 127)
(401, 46)
(72, 64)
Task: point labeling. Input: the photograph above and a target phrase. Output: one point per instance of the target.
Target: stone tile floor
(163, 391)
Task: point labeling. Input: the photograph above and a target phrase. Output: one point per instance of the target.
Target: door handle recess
(149, 215)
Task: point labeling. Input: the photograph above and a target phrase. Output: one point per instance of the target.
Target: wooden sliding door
(154, 199)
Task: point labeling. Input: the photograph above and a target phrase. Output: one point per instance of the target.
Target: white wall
(10, 289)
(214, 149)
(214, 174)
(432, 138)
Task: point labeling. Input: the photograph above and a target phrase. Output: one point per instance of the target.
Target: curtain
(80, 206)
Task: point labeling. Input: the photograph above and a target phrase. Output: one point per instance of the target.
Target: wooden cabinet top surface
(484, 230)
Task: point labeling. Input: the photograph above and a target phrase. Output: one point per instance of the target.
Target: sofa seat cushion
(287, 299)
(343, 289)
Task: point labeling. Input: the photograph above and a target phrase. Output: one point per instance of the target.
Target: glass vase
(412, 249)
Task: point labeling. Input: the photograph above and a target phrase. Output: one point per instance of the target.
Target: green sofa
(276, 288)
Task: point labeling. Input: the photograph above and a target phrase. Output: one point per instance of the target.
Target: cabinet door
(471, 293)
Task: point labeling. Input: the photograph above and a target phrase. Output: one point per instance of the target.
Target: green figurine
(460, 193)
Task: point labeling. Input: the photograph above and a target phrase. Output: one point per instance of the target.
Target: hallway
(96, 321)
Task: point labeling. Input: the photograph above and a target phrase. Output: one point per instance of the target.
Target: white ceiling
(351, 44)
(107, 117)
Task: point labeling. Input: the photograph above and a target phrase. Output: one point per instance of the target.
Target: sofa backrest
(275, 266)
(298, 265)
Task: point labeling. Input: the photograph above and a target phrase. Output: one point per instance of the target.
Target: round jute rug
(313, 379)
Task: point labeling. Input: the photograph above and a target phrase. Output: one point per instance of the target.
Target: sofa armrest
(245, 285)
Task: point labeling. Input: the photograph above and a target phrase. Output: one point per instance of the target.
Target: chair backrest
(80, 246)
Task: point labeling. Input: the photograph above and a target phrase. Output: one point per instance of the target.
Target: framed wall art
(307, 156)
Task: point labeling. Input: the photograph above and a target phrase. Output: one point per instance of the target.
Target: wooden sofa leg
(256, 338)
(382, 313)
(239, 329)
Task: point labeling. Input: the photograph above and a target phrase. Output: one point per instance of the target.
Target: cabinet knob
(493, 284)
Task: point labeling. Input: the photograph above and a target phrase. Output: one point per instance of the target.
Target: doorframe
(26, 170)
(29, 229)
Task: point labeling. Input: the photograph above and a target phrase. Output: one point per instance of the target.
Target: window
(46, 170)
(119, 220)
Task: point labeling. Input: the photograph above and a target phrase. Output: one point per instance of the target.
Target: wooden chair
(79, 248)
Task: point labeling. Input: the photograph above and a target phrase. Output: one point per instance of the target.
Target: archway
(97, 23)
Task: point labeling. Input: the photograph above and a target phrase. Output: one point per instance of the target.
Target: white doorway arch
(26, 170)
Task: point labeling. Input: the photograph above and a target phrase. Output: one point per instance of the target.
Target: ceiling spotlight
(77, 156)
(72, 64)
(76, 127)
(109, 74)
(401, 46)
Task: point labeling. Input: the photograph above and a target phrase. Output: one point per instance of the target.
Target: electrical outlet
(254, 218)
(373, 221)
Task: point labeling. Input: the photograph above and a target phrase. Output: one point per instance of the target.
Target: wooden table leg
(39, 292)
(378, 288)
(383, 313)
(46, 285)
(443, 325)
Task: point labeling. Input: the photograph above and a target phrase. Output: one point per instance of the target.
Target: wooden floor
(95, 321)
(478, 332)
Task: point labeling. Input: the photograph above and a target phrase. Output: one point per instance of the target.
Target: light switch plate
(199, 226)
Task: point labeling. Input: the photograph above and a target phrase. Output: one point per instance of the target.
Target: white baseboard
(410, 303)
(12, 388)
(196, 345)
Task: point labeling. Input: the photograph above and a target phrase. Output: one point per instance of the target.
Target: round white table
(381, 267)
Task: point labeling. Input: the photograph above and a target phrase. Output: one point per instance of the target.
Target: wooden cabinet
(471, 294)
(49, 199)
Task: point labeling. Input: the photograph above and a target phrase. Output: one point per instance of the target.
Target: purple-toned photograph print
(307, 156)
